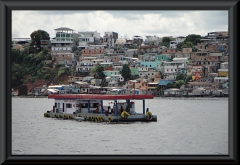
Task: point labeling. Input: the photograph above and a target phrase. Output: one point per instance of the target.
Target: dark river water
(184, 126)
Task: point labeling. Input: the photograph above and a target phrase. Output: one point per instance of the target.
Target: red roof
(98, 97)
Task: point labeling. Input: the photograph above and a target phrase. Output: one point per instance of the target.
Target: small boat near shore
(85, 107)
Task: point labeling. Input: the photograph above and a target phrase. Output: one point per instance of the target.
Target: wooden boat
(89, 107)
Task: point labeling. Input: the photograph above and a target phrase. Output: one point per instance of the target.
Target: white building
(224, 65)
(147, 72)
(185, 60)
(63, 46)
(220, 80)
(114, 80)
(172, 67)
(110, 38)
(154, 39)
(120, 42)
(173, 44)
(84, 66)
(89, 37)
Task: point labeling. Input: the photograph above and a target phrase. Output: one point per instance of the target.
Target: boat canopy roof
(99, 96)
(53, 90)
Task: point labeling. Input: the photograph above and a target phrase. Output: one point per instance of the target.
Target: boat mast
(134, 90)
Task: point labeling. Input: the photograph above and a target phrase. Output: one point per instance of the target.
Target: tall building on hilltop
(63, 46)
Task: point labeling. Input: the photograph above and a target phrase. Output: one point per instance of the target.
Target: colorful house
(108, 73)
(223, 72)
(134, 71)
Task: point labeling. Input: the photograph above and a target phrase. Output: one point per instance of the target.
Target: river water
(184, 126)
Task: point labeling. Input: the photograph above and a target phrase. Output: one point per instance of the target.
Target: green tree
(166, 41)
(193, 38)
(126, 72)
(187, 79)
(17, 75)
(189, 42)
(170, 85)
(184, 45)
(187, 45)
(62, 71)
(179, 46)
(179, 83)
(97, 72)
(180, 76)
(16, 57)
(38, 35)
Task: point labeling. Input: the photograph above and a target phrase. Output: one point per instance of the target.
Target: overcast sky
(126, 23)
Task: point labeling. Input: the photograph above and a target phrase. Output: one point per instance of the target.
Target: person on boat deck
(127, 108)
(113, 109)
(97, 110)
(121, 108)
(147, 110)
(79, 108)
(106, 112)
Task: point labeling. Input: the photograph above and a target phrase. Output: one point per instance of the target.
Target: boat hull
(93, 117)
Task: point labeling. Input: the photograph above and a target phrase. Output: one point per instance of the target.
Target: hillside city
(86, 62)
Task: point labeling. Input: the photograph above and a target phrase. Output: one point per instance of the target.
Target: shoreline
(154, 96)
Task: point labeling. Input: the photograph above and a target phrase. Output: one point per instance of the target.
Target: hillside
(39, 83)
(36, 70)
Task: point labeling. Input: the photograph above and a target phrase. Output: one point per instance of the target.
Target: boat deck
(94, 117)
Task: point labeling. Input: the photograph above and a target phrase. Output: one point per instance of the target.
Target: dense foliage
(24, 63)
(126, 72)
(37, 36)
(180, 80)
(166, 41)
(97, 72)
(17, 75)
(190, 41)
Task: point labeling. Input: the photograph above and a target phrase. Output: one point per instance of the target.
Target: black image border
(6, 6)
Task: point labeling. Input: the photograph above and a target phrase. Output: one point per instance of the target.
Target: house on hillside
(171, 92)
(63, 46)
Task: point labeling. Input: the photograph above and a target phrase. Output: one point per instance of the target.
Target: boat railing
(59, 110)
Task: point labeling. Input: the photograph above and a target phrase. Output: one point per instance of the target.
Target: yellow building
(222, 72)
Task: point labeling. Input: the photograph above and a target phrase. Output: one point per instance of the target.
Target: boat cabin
(83, 103)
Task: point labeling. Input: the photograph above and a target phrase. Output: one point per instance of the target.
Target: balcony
(55, 41)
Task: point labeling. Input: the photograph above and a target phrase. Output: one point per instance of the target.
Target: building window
(69, 105)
